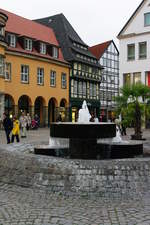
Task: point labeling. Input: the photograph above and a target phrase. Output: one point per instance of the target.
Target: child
(15, 130)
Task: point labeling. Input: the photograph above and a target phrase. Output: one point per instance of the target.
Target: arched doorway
(9, 105)
(52, 110)
(40, 110)
(63, 110)
(63, 103)
(24, 104)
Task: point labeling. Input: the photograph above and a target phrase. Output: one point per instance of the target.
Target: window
(55, 52)
(28, 44)
(40, 76)
(24, 74)
(63, 81)
(84, 89)
(2, 31)
(92, 90)
(80, 92)
(75, 89)
(147, 19)
(136, 78)
(1, 65)
(8, 71)
(43, 48)
(127, 79)
(12, 40)
(53, 78)
(147, 78)
(142, 50)
(131, 52)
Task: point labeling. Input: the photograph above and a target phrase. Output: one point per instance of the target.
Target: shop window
(136, 78)
(127, 79)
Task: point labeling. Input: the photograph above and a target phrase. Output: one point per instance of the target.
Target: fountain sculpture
(88, 140)
(83, 134)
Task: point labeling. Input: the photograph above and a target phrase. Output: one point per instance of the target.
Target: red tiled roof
(28, 28)
(25, 27)
(99, 49)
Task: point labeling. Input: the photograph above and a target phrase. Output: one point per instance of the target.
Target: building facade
(134, 41)
(108, 56)
(34, 77)
(85, 71)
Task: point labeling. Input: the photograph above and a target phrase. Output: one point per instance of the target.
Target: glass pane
(131, 52)
(147, 19)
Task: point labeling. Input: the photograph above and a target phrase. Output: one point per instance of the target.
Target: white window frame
(24, 74)
(146, 14)
(144, 55)
(7, 71)
(12, 40)
(130, 57)
(63, 81)
(55, 52)
(40, 76)
(2, 31)
(42, 48)
(2, 65)
(53, 78)
(28, 44)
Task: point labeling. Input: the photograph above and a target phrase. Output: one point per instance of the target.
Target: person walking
(123, 127)
(7, 124)
(28, 121)
(23, 125)
(92, 119)
(15, 130)
(37, 120)
(59, 118)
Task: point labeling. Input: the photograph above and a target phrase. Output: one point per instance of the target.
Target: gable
(135, 24)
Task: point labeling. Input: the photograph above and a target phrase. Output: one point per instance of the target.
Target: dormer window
(12, 40)
(147, 19)
(28, 44)
(42, 48)
(55, 52)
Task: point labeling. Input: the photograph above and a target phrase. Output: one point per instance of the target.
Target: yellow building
(34, 77)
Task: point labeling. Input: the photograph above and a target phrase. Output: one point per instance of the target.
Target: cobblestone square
(25, 205)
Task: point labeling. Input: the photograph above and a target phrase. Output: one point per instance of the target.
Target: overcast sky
(95, 21)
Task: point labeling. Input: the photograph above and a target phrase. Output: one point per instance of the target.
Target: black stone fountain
(88, 140)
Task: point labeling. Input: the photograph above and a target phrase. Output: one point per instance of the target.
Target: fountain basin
(119, 150)
(83, 137)
(61, 151)
(82, 130)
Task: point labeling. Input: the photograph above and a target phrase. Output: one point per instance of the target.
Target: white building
(134, 40)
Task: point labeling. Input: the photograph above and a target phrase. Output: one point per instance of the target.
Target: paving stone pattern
(21, 206)
(113, 192)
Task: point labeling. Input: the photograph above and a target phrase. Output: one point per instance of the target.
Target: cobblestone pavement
(21, 205)
(41, 136)
(33, 136)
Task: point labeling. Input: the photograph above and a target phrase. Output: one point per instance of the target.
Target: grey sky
(95, 21)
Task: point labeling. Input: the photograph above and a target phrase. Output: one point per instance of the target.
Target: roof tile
(99, 49)
(25, 27)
